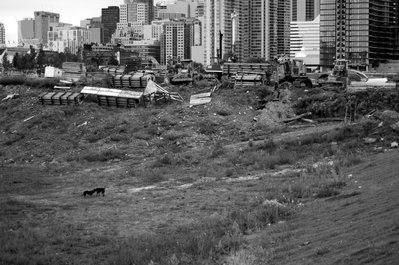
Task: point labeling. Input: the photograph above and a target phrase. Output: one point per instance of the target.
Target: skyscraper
(109, 18)
(249, 28)
(2, 34)
(142, 10)
(42, 20)
(361, 32)
(26, 29)
(178, 37)
(305, 10)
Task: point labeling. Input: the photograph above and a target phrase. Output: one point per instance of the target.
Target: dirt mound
(276, 111)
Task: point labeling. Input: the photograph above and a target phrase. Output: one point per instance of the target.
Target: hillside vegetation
(222, 183)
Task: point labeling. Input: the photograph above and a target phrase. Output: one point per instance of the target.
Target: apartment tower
(42, 21)
(140, 10)
(246, 28)
(178, 37)
(2, 34)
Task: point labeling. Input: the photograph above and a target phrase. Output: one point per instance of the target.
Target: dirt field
(185, 186)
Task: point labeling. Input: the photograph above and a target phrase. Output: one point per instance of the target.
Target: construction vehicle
(214, 70)
(282, 69)
(182, 72)
(292, 71)
(341, 76)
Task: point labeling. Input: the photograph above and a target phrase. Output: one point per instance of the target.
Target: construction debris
(154, 92)
(395, 127)
(390, 116)
(27, 119)
(297, 117)
(200, 99)
(11, 96)
(114, 97)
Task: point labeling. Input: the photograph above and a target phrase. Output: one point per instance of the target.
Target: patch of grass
(317, 182)
(320, 251)
(329, 189)
(204, 242)
(217, 150)
(207, 127)
(120, 138)
(31, 82)
(261, 159)
(221, 108)
(173, 135)
(103, 156)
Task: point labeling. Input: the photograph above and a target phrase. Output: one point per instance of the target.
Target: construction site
(234, 163)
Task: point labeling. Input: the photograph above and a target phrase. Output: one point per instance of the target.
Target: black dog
(99, 190)
(88, 192)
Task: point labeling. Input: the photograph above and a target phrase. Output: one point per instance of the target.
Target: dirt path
(296, 135)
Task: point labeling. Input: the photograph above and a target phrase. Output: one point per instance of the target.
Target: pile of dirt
(275, 112)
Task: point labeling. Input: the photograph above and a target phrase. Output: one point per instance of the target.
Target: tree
(15, 60)
(5, 62)
(113, 60)
(41, 58)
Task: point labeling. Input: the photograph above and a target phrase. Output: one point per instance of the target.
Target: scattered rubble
(390, 117)
(395, 127)
(11, 96)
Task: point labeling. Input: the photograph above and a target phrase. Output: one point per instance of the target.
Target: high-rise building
(42, 21)
(95, 27)
(123, 14)
(361, 32)
(246, 28)
(135, 9)
(109, 19)
(305, 10)
(178, 37)
(26, 29)
(305, 41)
(283, 27)
(67, 38)
(2, 34)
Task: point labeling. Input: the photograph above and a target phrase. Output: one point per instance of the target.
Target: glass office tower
(360, 31)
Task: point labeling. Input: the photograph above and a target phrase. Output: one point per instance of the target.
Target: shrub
(103, 156)
(174, 135)
(217, 150)
(207, 127)
(12, 80)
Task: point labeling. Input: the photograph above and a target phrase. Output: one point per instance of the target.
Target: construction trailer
(51, 71)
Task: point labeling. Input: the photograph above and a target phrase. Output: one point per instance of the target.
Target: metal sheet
(199, 101)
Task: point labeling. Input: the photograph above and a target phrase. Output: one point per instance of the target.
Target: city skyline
(72, 12)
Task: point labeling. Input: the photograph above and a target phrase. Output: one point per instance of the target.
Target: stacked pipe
(136, 80)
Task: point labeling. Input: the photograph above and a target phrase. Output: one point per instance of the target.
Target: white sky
(71, 11)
